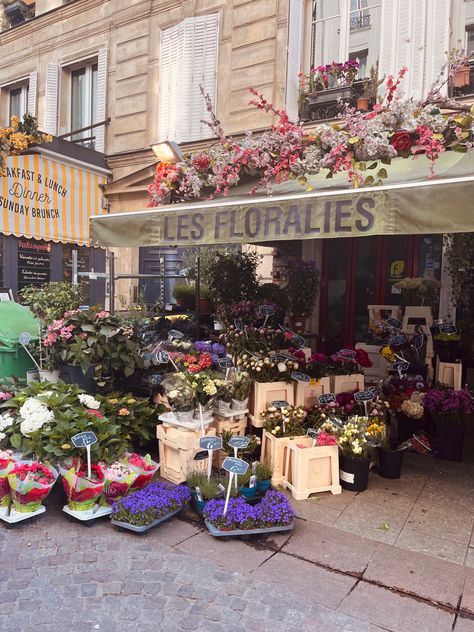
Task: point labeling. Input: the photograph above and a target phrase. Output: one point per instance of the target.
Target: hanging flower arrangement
(357, 142)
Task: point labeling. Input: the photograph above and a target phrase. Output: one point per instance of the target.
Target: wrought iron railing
(361, 21)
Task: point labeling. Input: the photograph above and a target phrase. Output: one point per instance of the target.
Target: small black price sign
(300, 377)
(210, 443)
(337, 422)
(447, 329)
(401, 365)
(83, 439)
(398, 340)
(174, 333)
(200, 456)
(280, 403)
(266, 310)
(239, 324)
(225, 363)
(239, 442)
(394, 322)
(273, 357)
(286, 356)
(160, 357)
(347, 353)
(363, 396)
(375, 390)
(234, 465)
(326, 398)
(312, 433)
(298, 341)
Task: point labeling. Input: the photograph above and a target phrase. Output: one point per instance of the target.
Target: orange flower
(123, 412)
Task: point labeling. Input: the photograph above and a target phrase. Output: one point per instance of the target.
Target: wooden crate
(306, 394)
(310, 470)
(237, 427)
(177, 449)
(450, 373)
(347, 383)
(379, 369)
(306, 350)
(274, 450)
(262, 395)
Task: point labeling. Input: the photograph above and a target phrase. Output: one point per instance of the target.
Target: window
(188, 60)
(469, 22)
(84, 103)
(18, 102)
(19, 97)
(345, 29)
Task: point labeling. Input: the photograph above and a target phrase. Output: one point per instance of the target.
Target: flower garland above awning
(359, 144)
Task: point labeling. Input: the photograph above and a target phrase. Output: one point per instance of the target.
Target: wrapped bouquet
(82, 492)
(30, 482)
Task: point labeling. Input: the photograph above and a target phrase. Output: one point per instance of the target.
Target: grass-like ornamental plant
(150, 503)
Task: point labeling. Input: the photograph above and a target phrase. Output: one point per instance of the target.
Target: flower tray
(146, 527)
(231, 413)
(90, 514)
(12, 516)
(217, 533)
(172, 420)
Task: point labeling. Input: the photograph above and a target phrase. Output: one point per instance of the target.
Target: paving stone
(442, 522)
(372, 520)
(416, 573)
(464, 624)
(414, 540)
(394, 612)
(467, 602)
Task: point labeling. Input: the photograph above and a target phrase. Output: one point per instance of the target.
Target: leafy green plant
(303, 287)
(49, 301)
(264, 471)
(184, 291)
(271, 293)
(233, 278)
(460, 266)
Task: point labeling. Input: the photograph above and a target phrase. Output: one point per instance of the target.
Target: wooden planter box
(274, 450)
(309, 470)
(347, 383)
(177, 449)
(236, 425)
(306, 350)
(263, 394)
(306, 394)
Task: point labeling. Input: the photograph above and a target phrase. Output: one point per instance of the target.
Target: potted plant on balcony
(369, 89)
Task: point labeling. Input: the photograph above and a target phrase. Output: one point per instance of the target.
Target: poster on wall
(34, 262)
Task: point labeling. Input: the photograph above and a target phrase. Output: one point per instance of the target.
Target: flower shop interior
(330, 385)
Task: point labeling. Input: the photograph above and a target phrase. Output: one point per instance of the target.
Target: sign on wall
(45, 199)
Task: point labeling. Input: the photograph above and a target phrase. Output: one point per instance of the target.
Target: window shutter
(188, 59)
(99, 132)
(51, 99)
(32, 90)
(293, 66)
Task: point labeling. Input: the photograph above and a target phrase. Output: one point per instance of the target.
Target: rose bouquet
(6, 458)
(118, 480)
(82, 492)
(268, 368)
(30, 482)
(145, 466)
(150, 503)
(284, 422)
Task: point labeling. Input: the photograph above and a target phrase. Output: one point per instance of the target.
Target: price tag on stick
(85, 440)
(326, 398)
(266, 311)
(238, 443)
(363, 396)
(210, 444)
(234, 467)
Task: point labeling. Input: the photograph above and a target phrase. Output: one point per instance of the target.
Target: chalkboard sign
(280, 403)
(234, 465)
(266, 310)
(239, 324)
(24, 338)
(337, 422)
(398, 340)
(225, 363)
(200, 456)
(347, 353)
(447, 329)
(312, 433)
(326, 398)
(394, 322)
(401, 365)
(363, 396)
(239, 442)
(375, 390)
(273, 357)
(284, 355)
(174, 333)
(210, 443)
(82, 439)
(298, 341)
(155, 379)
(300, 377)
(34, 262)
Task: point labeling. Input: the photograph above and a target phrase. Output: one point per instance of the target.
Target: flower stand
(274, 450)
(379, 369)
(263, 394)
(236, 423)
(309, 470)
(347, 383)
(306, 393)
(177, 448)
(450, 373)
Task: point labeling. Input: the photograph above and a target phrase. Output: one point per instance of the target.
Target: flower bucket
(390, 462)
(75, 375)
(450, 440)
(49, 376)
(223, 407)
(240, 404)
(27, 495)
(248, 492)
(362, 104)
(185, 416)
(353, 473)
(264, 486)
(82, 494)
(461, 77)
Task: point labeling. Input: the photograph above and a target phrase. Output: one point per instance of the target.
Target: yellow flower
(15, 121)
(66, 446)
(131, 401)
(123, 412)
(113, 401)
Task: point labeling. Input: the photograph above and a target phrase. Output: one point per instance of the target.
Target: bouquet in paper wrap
(82, 492)
(6, 461)
(145, 467)
(179, 393)
(30, 482)
(118, 479)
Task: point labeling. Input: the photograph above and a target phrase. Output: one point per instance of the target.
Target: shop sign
(34, 262)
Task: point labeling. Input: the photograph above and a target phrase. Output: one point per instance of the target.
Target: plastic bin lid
(14, 320)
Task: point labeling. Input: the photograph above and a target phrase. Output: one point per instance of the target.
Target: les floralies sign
(45, 199)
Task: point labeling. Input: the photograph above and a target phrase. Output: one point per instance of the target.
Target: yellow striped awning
(41, 198)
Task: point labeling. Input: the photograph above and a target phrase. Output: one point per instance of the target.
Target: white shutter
(32, 90)
(293, 66)
(188, 59)
(99, 132)
(51, 99)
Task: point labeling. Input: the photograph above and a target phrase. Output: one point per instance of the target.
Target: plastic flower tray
(13, 516)
(89, 514)
(217, 533)
(145, 527)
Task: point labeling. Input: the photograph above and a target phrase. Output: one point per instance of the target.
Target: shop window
(83, 262)
(84, 103)
(188, 60)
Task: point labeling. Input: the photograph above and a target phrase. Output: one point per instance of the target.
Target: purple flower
(448, 403)
(273, 510)
(150, 503)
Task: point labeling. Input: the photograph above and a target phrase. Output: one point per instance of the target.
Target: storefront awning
(42, 198)
(409, 202)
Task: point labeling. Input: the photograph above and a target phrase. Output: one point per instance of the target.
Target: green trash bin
(14, 320)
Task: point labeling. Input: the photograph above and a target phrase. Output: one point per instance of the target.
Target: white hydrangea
(6, 421)
(34, 416)
(89, 401)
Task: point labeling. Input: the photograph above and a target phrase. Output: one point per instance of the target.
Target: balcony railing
(359, 22)
(327, 104)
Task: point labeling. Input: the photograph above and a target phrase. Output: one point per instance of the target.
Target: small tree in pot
(303, 287)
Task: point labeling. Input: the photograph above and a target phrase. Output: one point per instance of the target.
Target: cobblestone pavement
(58, 575)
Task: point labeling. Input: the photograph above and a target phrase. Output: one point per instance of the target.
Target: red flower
(84, 494)
(115, 490)
(95, 413)
(401, 141)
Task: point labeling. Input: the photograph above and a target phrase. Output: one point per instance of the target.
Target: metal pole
(198, 286)
(74, 267)
(112, 283)
(162, 282)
